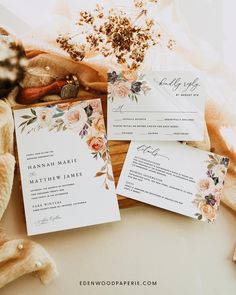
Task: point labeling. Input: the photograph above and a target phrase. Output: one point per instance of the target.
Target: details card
(166, 106)
(65, 167)
(175, 177)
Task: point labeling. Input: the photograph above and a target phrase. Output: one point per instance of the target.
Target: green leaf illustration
(33, 112)
(59, 121)
(104, 168)
(90, 122)
(58, 115)
(23, 128)
(31, 121)
(26, 117)
(106, 187)
(110, 177)
(89, 110)
(23, 123)
(210, 166)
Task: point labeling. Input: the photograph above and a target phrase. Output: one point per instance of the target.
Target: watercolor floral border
(126, 84)
(209, 189)
(84, 118)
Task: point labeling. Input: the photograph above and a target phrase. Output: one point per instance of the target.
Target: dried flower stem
(113, 33)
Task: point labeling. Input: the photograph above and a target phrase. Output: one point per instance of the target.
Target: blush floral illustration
(206, 185)
(96, 144)
(209, 189)
(95, 104)
(45, 118)
(207, 210)
(84, 118)
(120, 89)
(98, 124)
(126, 84)
(75, 119)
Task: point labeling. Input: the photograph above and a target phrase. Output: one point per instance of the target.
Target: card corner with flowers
(155, 105)
(84, 118)
(176, 177)
(126, 84)
(210, 189)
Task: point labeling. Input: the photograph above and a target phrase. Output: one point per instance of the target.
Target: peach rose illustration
(206, 185)
(130, 76)
(98, 124)
(45, 118)
(207, 210)
(120, 89)
(96, 144)
(63, 106)
(75, 119)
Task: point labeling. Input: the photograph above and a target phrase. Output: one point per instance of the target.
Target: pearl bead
(38, 264)
(20, 247)
(47, 68)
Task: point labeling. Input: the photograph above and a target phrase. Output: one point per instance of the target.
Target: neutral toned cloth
(7, 166)
(20, 257)
(7, 160)
(17, 257)
(6, 128)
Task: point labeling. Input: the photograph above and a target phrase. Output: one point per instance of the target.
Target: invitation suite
(155, 106)
(175, 177)
(65, 167)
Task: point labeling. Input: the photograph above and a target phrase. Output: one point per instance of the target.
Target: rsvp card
(175, 177)
(65, 167)
(155, 106)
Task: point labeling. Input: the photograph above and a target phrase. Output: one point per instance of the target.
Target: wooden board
(118, 150)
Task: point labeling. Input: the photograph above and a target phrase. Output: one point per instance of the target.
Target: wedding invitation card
(155, 106)
(65, 167)
(175, 177)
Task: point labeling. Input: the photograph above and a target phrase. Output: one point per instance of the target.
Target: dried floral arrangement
(114, 33)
